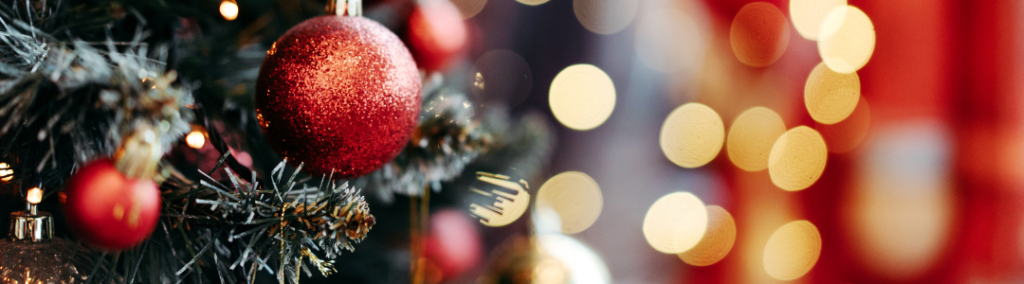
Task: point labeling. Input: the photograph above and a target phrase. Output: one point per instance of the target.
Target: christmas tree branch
(278, 221)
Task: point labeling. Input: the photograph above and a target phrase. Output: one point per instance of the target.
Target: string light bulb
(6, 172)
(195, 139)
(35, 195)
(229, 9)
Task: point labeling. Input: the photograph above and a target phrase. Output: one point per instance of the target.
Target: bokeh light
(532, 2)
(692, 135)
(501, 77)
(846, 135)
(34, 195)
(469, 8)
(759, 34)
(751, 137)
(807, 15)
(195, 139)
(575, 197)
(229, 10)
(676, 222)
(507, 207)
(903, 205)
(717, 241)
(831, 96)
(605, 16)
(6, 172)
(579, 263)
(549, 271)
(792, 250)
(797, 159)
(846, 40)
(669, 40)
(582, 97)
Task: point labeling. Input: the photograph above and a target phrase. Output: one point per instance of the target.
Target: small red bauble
(338, 94)
(106, 209)
(454, 243)
(436, 34)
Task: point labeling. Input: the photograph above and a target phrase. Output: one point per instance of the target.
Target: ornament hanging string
(419, 218)
(352, 8)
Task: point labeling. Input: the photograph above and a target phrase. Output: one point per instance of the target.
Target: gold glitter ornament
(32, 255)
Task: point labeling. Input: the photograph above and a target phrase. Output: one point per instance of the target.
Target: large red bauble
(436, 34)
(339, 94)
(106, 209)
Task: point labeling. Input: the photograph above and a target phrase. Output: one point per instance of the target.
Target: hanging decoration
(32, 255)
(339, 94)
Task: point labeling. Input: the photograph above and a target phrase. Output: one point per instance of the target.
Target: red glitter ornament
(339, 94)
(436, 34)
(106, 209)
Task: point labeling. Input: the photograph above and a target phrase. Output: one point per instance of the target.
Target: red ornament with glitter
(437, 34)
(340, 94)
(106, 209)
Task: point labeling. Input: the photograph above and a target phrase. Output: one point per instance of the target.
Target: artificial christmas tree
(97, 96)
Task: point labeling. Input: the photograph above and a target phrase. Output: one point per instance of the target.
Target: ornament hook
(353, 8)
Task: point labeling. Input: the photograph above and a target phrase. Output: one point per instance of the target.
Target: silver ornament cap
(32, 225)
(352, 8)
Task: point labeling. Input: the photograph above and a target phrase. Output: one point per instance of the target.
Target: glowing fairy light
(229, 9)
(34, 195)
(6, 172)
(195, 139)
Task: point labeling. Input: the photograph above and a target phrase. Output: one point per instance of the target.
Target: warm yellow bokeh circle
(797, 159)
(717, 241)
(751, 137)
(831, 96)
(846, 40)
(575, 196)
(792, 250)
(582, 97)
(676, 222)
(692, 135)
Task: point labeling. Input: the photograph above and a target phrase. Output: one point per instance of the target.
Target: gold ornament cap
(139, 154)
(353, 8)
(31, 225)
